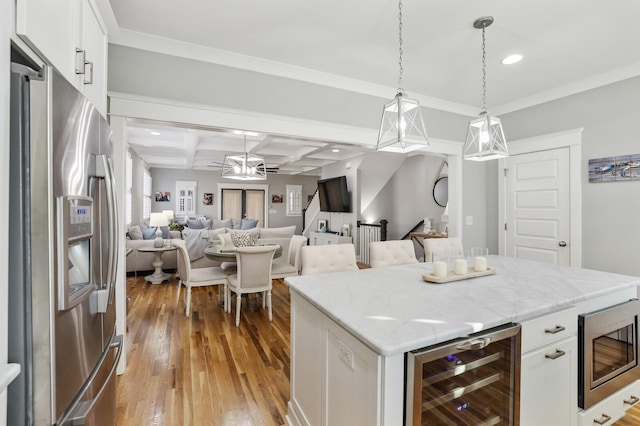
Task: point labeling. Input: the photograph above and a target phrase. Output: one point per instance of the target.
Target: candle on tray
(480, 263)
(440, 269)
(460, 266)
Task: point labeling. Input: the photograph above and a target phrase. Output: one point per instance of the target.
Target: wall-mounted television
(333, 194)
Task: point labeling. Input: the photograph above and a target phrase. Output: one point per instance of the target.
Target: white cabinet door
(548, 385)
(94, 42)
(352, 380)
(50, 27)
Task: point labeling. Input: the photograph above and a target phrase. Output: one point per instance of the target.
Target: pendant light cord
(484, 71)
(400, 89)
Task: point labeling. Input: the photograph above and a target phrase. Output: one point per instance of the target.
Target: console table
(158, 276)
(322, 238)
(418, 236)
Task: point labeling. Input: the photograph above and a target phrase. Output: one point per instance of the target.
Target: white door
(537, 203)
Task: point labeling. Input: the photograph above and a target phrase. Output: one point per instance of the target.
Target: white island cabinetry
(548, 379)
(71, 36)
(335, 378)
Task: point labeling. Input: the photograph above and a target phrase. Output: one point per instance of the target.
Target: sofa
(196, 239)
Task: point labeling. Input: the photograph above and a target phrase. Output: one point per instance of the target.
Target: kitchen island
(350, 331)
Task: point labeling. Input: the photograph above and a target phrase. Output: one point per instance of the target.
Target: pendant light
(401, 128)
(244, 166)
(485, 138)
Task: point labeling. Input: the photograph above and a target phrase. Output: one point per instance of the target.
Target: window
(294, 200)
(186, 197)
(128, 188)
(146, 195)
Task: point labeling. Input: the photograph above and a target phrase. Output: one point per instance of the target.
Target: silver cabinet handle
(632, 400)
(603, 419)
(562, 243)
(557, 354)
(554, 330)
(474, 344)
(88, 75)
(80, 60)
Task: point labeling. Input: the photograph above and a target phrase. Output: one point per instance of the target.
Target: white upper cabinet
(71, 36)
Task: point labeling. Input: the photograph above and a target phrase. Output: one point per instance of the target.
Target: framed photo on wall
(323, 225)
(207, 198)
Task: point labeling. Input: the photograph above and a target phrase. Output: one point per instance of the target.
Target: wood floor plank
(203, 370)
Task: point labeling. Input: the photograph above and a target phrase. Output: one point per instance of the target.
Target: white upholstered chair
(198, 277)
(286, 266)
(441, 248)
(253, 276)
(328, 258)
(389, 253)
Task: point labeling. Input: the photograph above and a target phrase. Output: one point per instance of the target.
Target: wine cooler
(473, 380)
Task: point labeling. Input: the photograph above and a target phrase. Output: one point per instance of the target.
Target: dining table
(214, 252)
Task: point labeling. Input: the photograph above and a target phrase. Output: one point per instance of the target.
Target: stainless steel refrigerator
(63, 255)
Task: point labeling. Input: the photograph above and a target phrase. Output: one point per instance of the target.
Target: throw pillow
(165, 232)
(226, 223)
(244, 238)
(226, 243)
(283, 232)
(135, 232)
(248, 223)
(195, 224)
(207, 223)
(148, 233)
(236, 223)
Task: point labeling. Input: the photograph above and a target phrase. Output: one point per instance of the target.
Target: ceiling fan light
(244, 166)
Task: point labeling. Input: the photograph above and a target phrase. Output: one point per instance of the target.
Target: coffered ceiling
(568, 46)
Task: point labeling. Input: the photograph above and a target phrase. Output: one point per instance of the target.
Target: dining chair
(290, 265)
(253, 276)
(389, 253)
(198, 277)
(441, 248)
(328, 258)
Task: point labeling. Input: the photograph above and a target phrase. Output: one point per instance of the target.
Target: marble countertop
(392, 310)
(8, 372)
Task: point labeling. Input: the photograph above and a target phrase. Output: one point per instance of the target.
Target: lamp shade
(401, 127)
(168, 214)
(485, 139)
(158, 219)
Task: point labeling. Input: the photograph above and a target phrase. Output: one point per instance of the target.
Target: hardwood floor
(203, 370)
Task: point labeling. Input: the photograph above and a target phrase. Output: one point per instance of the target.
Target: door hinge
(505, 172)
(505, 226)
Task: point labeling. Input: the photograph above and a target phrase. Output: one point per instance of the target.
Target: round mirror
(441, 191)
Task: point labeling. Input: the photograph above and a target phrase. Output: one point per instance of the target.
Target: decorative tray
(455, 277)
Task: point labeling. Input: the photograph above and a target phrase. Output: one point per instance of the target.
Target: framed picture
(163, 196)
(275, 198)
(207, 198)
(323, 224)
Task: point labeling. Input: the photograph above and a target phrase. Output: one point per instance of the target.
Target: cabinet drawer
(613, 406)
(550, 328)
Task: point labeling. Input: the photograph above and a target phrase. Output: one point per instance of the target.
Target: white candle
(440, 269)
(480, 263)
(460, 266)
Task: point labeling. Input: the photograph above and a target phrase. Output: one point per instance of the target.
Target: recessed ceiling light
(335, 150)
(243, 132)
(155, 133)
(512, 59)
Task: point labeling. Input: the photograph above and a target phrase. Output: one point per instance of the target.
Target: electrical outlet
(346, 354)
(469, 220)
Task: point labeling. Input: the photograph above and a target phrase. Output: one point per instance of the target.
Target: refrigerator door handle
(83, 409)
(104, 170)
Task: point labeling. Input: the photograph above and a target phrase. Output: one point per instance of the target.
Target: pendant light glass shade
(401, 128)
(485, 137)
(244, 166)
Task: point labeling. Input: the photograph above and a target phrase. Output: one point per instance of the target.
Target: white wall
(609, 116)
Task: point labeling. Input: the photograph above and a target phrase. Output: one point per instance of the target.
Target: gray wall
(610, 218)
(207, 181)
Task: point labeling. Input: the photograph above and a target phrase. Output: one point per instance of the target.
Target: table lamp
(158, 220)
(169, 215)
